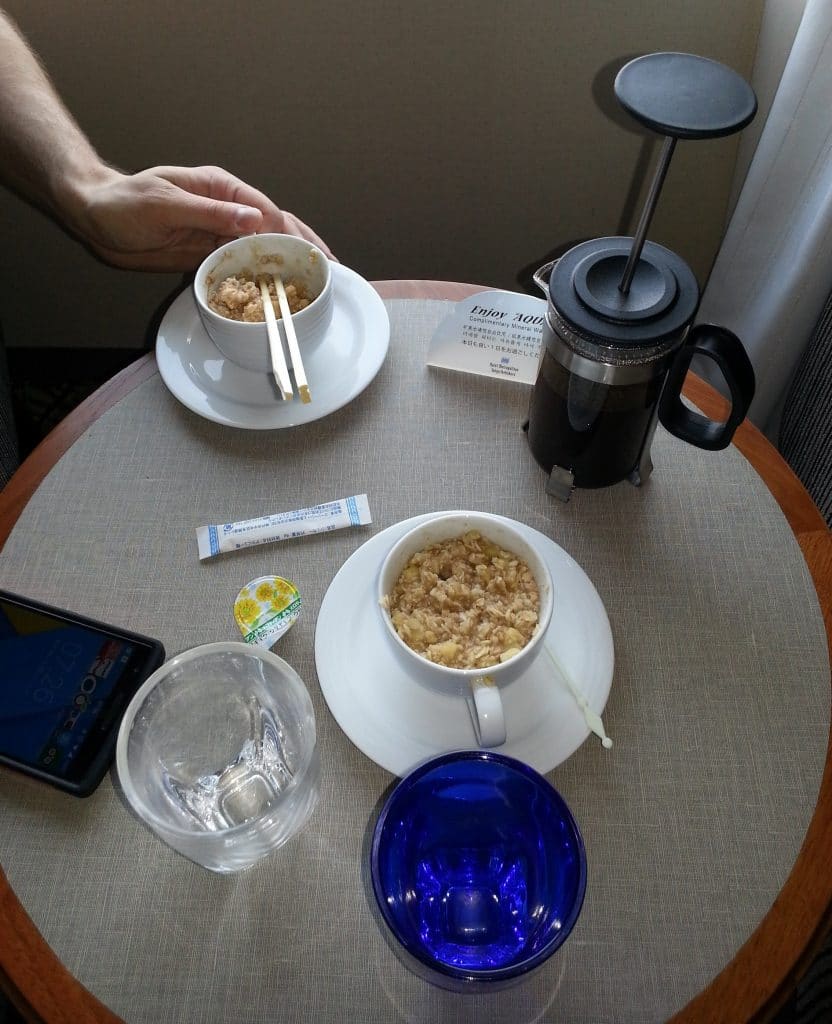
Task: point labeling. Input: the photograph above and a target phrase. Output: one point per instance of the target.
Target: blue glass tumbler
(478, 868)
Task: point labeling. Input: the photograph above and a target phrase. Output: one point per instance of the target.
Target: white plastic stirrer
(592, 718)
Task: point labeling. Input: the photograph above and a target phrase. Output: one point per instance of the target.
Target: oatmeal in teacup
(465, 602)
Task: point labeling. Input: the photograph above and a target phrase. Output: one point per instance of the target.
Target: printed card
(492, 333)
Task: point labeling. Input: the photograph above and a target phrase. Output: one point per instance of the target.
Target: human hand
(171, 218)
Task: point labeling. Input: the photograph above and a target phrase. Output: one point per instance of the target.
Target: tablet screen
(55, 680)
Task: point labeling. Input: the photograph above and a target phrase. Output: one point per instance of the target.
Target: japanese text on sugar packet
(494, 334)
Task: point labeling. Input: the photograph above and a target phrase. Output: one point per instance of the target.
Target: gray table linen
(719, 708)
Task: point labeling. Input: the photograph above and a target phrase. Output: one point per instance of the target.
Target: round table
(749, 987)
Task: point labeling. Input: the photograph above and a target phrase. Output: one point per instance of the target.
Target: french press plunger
(616, 345)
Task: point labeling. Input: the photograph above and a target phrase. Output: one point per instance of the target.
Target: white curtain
(773, 271)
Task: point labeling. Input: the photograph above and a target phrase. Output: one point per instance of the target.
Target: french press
(616, 340)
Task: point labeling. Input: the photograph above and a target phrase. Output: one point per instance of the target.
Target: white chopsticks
(279, 368)
(292, 339)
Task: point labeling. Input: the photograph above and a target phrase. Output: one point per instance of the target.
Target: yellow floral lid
(265, 608)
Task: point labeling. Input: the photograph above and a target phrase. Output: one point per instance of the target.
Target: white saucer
(340, 368)
(398, 722)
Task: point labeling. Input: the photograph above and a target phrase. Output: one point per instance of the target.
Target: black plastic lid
(661, 302)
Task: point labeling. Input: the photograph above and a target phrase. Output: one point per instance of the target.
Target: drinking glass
(216, 754)
(478, 869)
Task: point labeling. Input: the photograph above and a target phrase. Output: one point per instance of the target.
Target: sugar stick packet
(332, 515)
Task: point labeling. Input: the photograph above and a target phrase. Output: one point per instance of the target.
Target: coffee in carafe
(597, 430)
(617, 342)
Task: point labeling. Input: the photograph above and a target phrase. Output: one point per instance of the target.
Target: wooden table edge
(752, 987)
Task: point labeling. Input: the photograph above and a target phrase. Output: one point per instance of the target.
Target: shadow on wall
(604, 97)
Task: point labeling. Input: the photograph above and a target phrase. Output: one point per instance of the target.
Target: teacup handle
(486, 708)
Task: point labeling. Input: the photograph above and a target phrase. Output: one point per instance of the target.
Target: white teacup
(481, 688)
(293, 258)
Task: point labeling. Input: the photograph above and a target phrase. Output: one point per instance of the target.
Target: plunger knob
(685, 96)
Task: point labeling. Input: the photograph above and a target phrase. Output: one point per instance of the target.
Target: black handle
(727, 351)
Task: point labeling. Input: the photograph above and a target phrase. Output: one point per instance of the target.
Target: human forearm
(162, 218)
(44, 154)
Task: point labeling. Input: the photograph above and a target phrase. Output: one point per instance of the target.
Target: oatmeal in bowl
(228, 298)
(466, 594)
(238, 297)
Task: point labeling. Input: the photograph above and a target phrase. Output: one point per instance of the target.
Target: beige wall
(446, 139)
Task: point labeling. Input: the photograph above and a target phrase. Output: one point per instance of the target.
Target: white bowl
(500, 531)
(247, 344)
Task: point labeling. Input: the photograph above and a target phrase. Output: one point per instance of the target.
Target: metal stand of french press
(617, 340)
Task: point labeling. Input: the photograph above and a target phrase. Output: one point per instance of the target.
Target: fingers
(217, 183)
(294, 226)
(188, 211)
(171, 218)
(237, 205)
